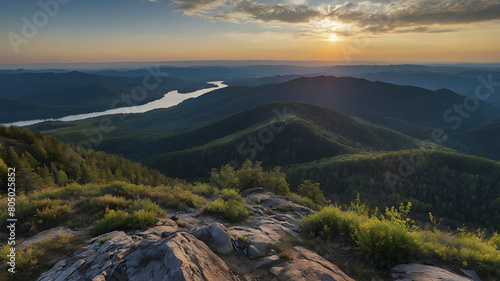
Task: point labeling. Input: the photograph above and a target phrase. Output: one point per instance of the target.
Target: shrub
(148, 206)
(229, 194)
(101, 203)
(232, 210)
(495, 240)
(175, 197)
(303, 201)
(225, 178)
(468, 249)
(330, 221)
(380, 240)
(127, 190)
(384, 243)
(142, 214)
(105, 239)
(243, 240)
(312, 191)
(284, 255)
(182, 224)
(142, 218)
(113, 220)
(25, 258)
(51, 213)
(204, 189)
(32, 261)
(46, 217)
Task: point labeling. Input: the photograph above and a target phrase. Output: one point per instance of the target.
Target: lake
(170, 99)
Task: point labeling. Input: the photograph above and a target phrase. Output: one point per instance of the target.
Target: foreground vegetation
(117, 194)
(386, 239)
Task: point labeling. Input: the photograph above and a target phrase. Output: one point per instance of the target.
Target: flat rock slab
(48, 234)
(421, 272)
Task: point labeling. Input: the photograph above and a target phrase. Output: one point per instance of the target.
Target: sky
(68, 31)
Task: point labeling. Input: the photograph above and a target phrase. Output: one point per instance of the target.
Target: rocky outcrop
(208, 250)
(309, 266)
(420, 272)
(181, 257)
(147, 256)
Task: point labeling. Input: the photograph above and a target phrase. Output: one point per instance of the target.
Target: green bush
(331, 221)
(113, 220)
(175, 197)
(468, 249)
(312, 191)
(142, 218)
(380, 240)
(142, 214)
(127, 190)
(228, 194)
(101, 203)
(303, 201)
(47, 217)
(31, 261)
(244, 240)
(204, 189)
(233, 210)
(385, 243)
(495, 240)
(148, 206)
(105, 239)
(392, 238)
(182, 224)
(284, 255)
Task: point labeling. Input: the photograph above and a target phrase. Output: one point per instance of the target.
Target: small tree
(275, 181)
(225, 178)
(312, 191)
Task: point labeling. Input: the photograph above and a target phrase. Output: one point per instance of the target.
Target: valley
(342, 148)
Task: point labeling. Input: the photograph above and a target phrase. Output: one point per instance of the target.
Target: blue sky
(135, 30)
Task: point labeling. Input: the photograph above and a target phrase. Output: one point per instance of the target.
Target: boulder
(183, 258)
(471, 274)
(267, 261)
(216, 236)
(421, 272)
(253, 253)
(311, 267)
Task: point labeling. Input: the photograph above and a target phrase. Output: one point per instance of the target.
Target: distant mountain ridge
(411, 110)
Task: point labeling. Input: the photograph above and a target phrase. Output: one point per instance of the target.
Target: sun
(333, 38)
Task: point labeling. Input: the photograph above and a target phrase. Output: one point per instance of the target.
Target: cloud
(283, 12)
(377, 17)
(350, 18)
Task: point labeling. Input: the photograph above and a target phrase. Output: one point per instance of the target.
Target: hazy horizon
(130, 65)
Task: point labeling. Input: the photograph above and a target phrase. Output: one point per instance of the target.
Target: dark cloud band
(423, 16)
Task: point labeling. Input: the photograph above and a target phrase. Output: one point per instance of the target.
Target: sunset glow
(135, 30)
